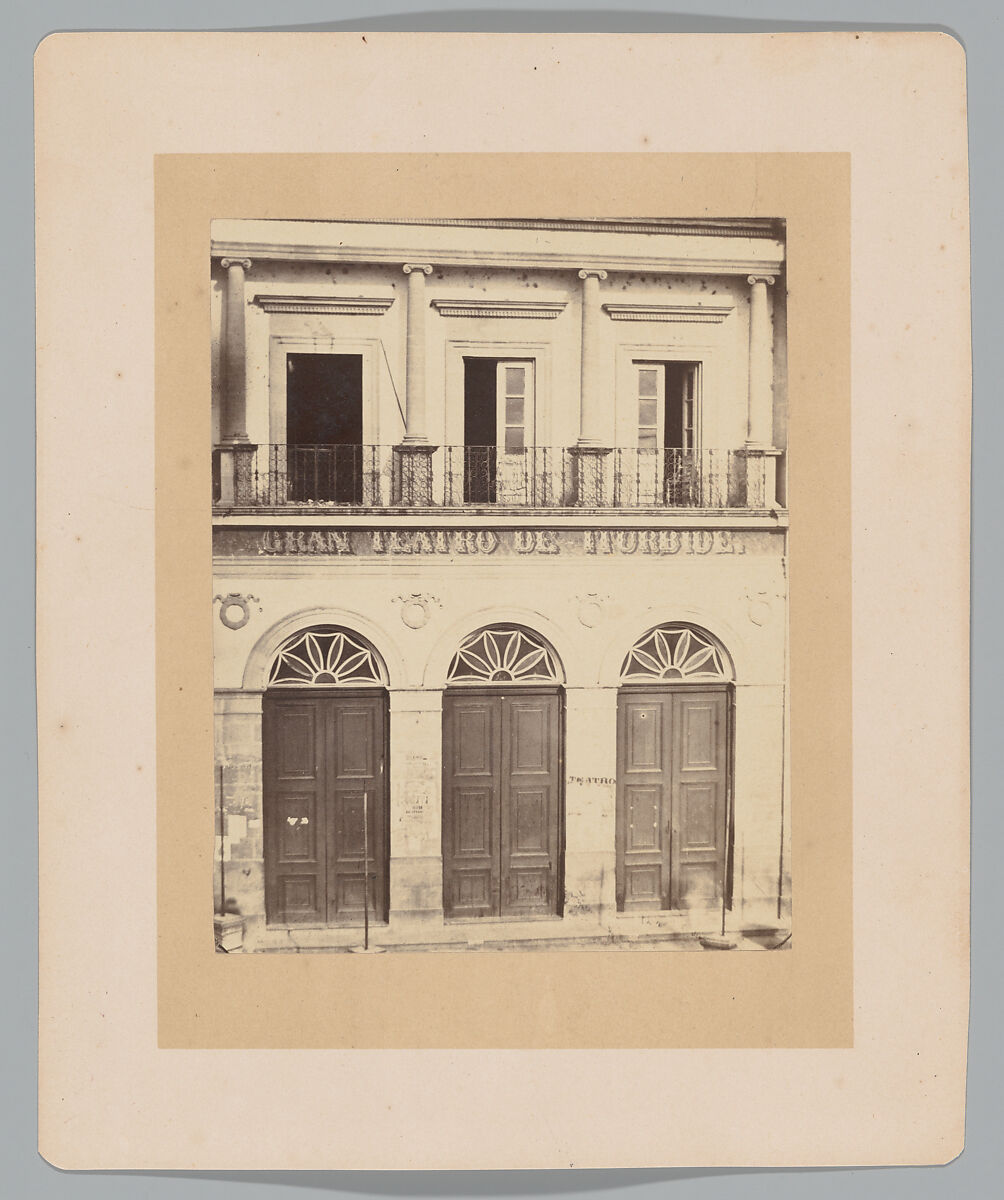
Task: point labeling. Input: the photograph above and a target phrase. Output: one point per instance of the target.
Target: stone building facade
(499, 552)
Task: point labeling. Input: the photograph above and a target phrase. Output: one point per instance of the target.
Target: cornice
(749, 227)
(373, 306)
(505, 260)
(515, 518)
(699, 314)
(537, 310)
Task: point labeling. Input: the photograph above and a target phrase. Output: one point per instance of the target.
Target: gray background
(978, 1170)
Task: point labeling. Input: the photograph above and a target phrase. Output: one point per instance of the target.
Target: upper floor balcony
(360, 478)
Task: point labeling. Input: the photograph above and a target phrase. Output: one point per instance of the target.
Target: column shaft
(415, 429)
(760, 416)
(233, 409)
(591, 400)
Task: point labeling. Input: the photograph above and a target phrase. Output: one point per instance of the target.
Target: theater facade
(500, 586)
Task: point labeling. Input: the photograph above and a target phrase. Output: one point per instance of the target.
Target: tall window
(666, 396)
(667, 470)
(499, 430)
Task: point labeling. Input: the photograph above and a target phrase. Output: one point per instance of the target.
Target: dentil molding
(369, 306)
(540, 310)
(699, 314)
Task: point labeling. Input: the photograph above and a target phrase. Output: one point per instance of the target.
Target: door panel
(502, 820)
(298, 897)
(297, 830)
(515, 415)
(357, 733)
(471, 773)
(671, 797)
(645, 823)
(529, 798)
(699, 783)
(293, 750)
(354, 754)
(323, 753)
(642, 836)
(474, 744)
(297, 756)
(516, 430)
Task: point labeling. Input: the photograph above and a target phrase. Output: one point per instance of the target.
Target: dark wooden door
(324, 757)
(673, 749)
(502, 802)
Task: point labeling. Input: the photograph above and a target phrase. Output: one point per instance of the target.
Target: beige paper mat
(105, 1010)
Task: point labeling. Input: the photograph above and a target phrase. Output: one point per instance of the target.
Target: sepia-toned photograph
(484, 529)
(500, 585)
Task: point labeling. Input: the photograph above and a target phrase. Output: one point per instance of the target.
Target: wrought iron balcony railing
(464, 477)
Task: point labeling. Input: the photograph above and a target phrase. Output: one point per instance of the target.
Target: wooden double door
(673, 796)
(325, 805)
(503, 819)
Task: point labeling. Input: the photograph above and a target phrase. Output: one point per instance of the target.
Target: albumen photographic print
(502, 600)
(499, 555)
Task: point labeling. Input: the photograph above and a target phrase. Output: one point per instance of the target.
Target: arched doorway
(674, 771)
(326, 797)
(503, 769)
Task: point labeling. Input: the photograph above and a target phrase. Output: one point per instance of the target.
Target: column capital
(425, 268)
(767, 279)
(597, 271)
(227, 263)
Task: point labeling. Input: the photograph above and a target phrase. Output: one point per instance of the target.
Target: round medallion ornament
(415, 608)
(414, 614)
(235, 609)
(758, 607)
(590, 611)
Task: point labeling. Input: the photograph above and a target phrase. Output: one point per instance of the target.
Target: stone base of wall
(596, 929)
(416, 867)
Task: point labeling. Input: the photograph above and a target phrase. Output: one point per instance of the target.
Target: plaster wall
(722, 347)
(740, 599)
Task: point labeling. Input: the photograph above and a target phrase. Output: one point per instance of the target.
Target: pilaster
(416, 813)
(590, 801)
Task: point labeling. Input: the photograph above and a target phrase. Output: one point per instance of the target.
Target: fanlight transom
(503, 654)
(675, 654)
(326, 656)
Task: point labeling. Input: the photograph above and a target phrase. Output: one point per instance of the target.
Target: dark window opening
(480, 430)
(324, 427)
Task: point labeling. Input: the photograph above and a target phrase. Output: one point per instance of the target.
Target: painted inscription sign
(458, 543)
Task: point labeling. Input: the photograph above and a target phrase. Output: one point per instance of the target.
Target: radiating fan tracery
(674, 653)
(326, 656)
(503, 654)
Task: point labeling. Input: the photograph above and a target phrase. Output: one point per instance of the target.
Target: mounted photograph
(500, 588)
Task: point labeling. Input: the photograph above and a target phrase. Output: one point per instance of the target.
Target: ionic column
(760, 415)
(415, 353)
(236, 453)
(591, 400)
(233, 410)
(590, 483)
(761, 457)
